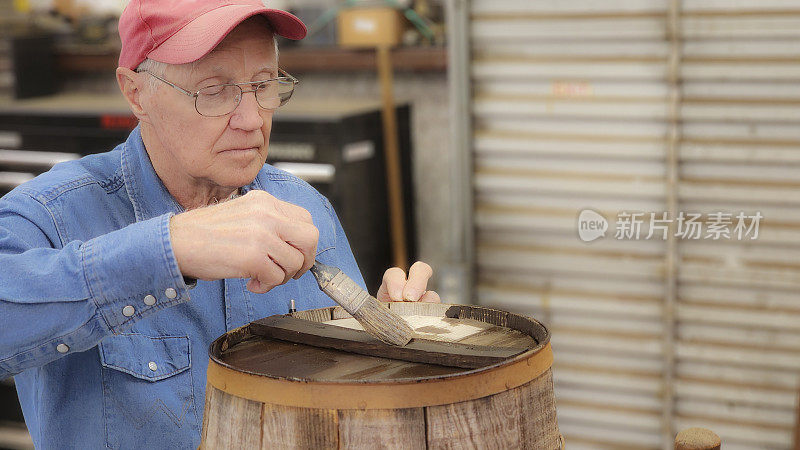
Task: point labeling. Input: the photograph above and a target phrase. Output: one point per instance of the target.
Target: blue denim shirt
(96, 362)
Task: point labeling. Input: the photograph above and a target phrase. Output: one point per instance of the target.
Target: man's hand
(396, 288)
(254, 236)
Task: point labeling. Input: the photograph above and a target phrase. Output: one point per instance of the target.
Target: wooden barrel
(266, 393)
(697, 439)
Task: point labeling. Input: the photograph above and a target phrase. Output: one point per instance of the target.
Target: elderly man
(100, 321)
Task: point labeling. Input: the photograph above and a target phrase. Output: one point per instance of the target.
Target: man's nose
(247, 115)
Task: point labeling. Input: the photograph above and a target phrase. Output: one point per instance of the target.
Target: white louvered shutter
(578, 104)
(738, 310)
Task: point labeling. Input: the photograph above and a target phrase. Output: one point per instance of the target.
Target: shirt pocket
(148, 393)
(144, 357)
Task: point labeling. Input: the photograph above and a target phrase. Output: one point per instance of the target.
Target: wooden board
(494, 420)
(316, 315)
(297, 361)
(436, 328)
(441, 353)
(382, 428)
(298, 428)
(538, 412)
(524, 417)
(224, 412)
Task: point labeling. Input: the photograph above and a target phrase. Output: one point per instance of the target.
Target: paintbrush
(376, 318)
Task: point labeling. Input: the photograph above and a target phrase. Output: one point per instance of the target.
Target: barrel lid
(272, 371)
(241, 350)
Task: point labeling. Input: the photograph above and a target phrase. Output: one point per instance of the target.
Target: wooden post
(796, 445)
(392, 153)
(672, 254)
(697, 439)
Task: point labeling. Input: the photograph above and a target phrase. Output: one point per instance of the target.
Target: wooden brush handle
(338, 286)
(346, 292)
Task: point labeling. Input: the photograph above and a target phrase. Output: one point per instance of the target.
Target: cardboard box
(370, 27)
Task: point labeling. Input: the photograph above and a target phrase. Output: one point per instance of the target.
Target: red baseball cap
(182, 31)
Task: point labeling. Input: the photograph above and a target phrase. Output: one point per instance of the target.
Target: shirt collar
(149, 196)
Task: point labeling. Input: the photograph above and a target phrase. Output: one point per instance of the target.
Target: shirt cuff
(132, 272)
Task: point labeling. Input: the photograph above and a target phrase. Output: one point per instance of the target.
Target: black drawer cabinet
(13, 434)
(349, 145)
(10, 412)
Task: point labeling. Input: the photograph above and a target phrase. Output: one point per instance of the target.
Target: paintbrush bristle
(381, 322)
(374, 316)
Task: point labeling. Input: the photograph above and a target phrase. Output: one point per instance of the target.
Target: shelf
(78, 60)
(334, 59)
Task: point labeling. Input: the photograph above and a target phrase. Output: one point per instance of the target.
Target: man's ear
(130, 83)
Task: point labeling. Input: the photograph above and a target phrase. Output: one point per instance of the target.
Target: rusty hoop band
(400, 394)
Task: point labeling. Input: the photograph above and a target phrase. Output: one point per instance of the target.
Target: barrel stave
(230, 422)
(382, 428)
(291, 427)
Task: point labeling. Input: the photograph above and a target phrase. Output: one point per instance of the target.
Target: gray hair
(158, 68)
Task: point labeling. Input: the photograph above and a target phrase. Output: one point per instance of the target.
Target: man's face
(223, 151)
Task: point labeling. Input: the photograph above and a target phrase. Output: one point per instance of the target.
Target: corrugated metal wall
(598, 104)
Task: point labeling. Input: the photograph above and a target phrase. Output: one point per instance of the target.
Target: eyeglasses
(221, 99)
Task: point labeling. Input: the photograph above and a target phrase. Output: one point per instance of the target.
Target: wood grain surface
(301, 331)
(290, 427)
(488, 422)
(382, 428)
(225, 412)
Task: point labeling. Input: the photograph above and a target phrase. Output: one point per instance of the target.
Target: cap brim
(201, 35)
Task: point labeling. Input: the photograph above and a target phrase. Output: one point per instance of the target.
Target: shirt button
(171, 293)
(153, 366)
(128, 311)
(62, 348)
(149, 300)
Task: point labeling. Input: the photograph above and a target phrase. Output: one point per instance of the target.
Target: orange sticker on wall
(572, 89)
